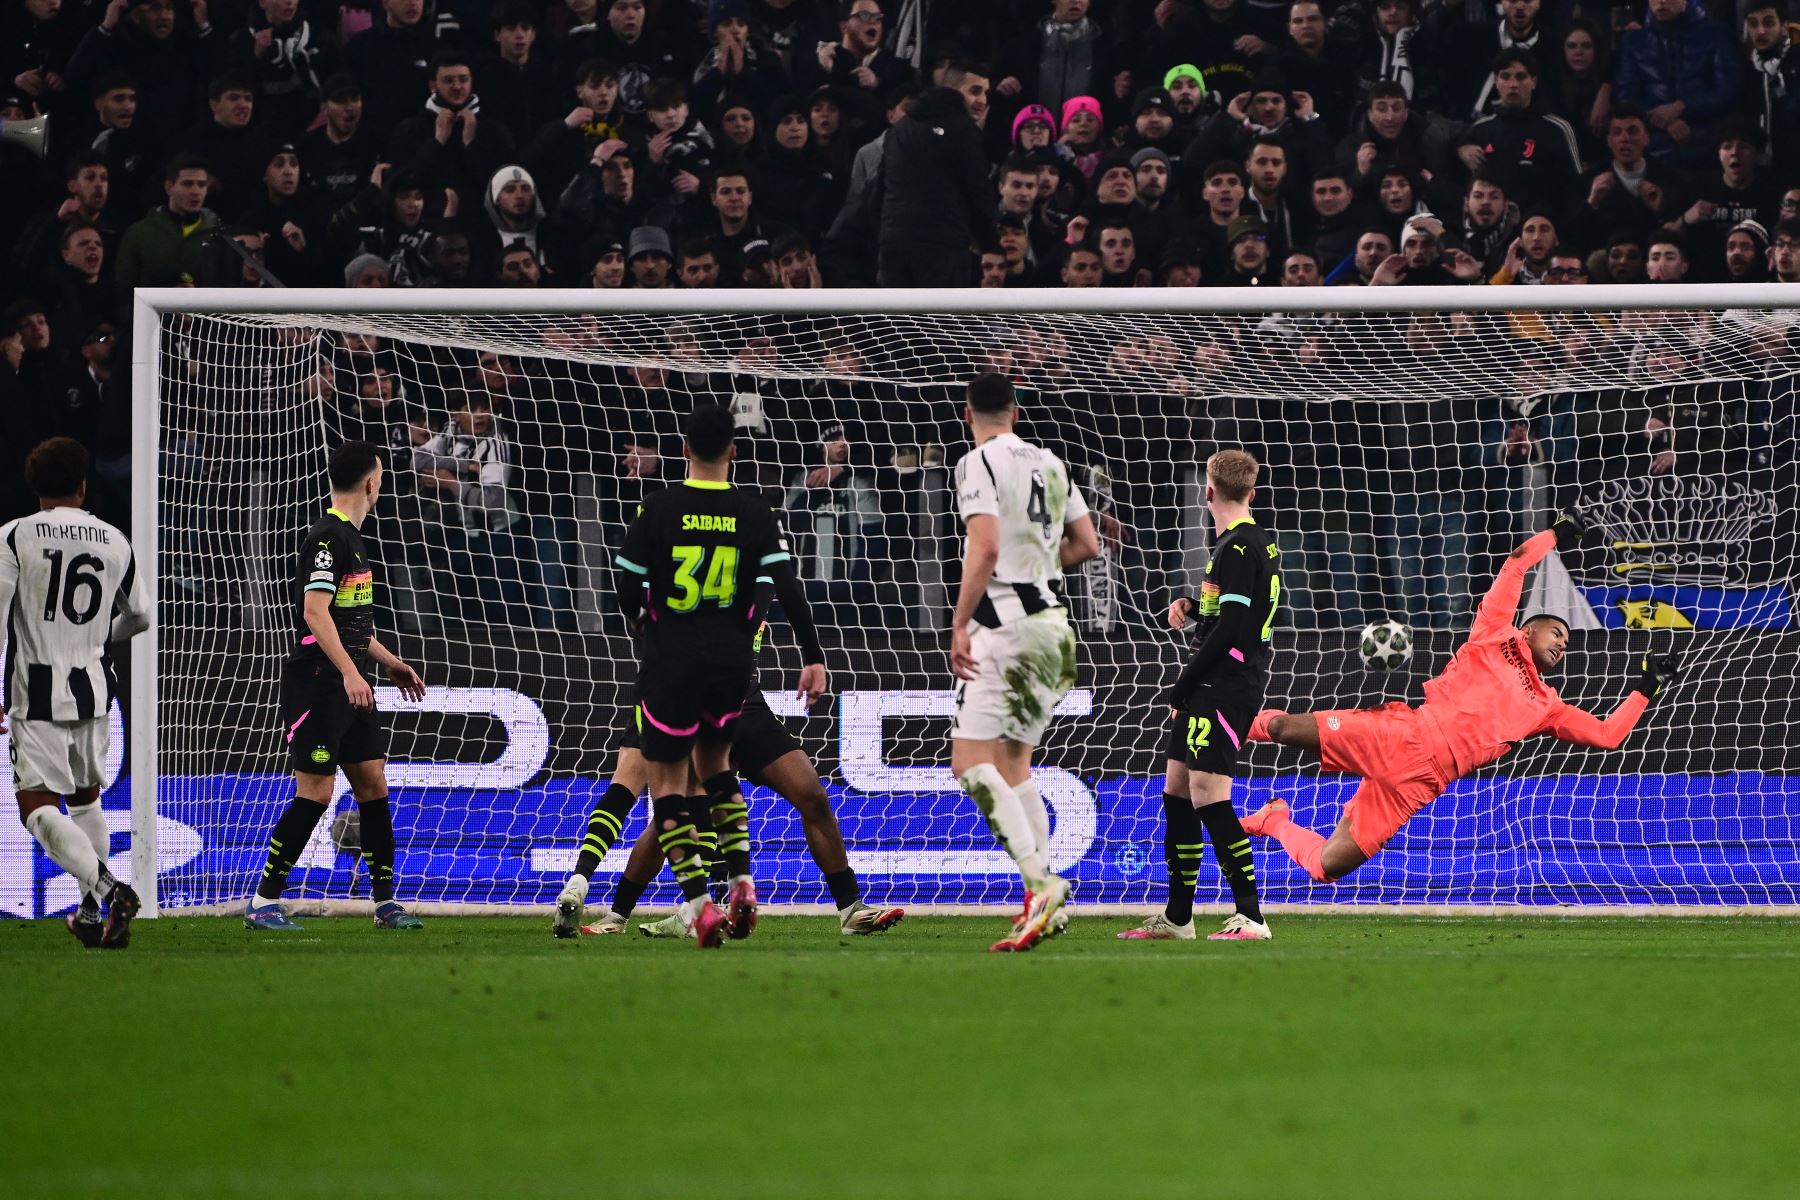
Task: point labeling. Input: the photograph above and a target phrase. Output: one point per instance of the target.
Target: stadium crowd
(804, 144)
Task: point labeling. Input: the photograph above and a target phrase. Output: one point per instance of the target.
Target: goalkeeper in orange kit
(1490, 697)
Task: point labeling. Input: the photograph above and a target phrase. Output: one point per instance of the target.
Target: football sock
(844, 888)
(1231, 847)
(1006, 817)
(91, 820)
(70, 849)
(626, 895)
(731, 821)
(604, 825)
(1259, 728)
(1036, 815)
(378, 846)
(1303, 845)
(677, 833)
(1183, 834)
(285, 844)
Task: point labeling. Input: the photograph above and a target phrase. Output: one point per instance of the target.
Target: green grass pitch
(1353, 1056)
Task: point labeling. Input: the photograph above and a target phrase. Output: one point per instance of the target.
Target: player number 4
(720, 582)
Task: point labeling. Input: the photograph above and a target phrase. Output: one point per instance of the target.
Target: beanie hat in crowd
(361, 263)
(1030, 113)
(1152, 97)
(1758, 232)
(649, 239)
(1184, 71)
(1148, 154)
(1422, 225)
(1075, 104)
(510, 173)
(720, 11)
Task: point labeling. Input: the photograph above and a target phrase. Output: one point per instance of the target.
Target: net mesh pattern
(1405, 454)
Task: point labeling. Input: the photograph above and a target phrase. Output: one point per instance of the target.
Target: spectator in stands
(1300, 268)
(1527, 258)
(30, 375)
(1083, 138)
(562, 146)
(1632, 191)
(1383, 41)
(368, 271)
(1153, 123)
(1081, 267)
(795, 187)
(167, 61)
(1266, 165)
(857, 62)
(232, 150)
(648, 257)
(515, 213)
(130, 152)
(1181, 265)
(1315, 66)
(340, 153)
(735, 223)
(1373, 249)
(935, 214)
(464, 474)
(1534, 154)
(391, 219)
(697, 266)
(1187, 89)
(795, 264)
(1051, 61)
(447, 143)
(1682, 71)
(1487, 220)
(1390, 133)
(1622, 261)
(1222, 195)
(87, 183)
(833, 512)
(1424, 260)
(681, 147)
(1264, 111)
(1737, 193)
(641, 53)
(995, 269)
(1226, 39)
(1248, 239)
(518, 81)
(290, 223)
(1784, 251)
(609, 264)
(392, 61)
(604, 194)
(1578, 86)
(164, 249)
(1774, 80)
(1746, 253)
(1333, 223)
(450, 257)
(1464, 55)
(738, 66)
(1117, 244)
(79, 289)
(1666, 260)
(1397, 198)
(288, 58)
(519, 267)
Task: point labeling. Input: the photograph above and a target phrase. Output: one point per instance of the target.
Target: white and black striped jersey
(1029, 493)
(69, 584)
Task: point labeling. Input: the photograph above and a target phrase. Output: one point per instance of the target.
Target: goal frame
(151, 305)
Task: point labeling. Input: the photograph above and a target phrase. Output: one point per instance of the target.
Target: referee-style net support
(1410, 438)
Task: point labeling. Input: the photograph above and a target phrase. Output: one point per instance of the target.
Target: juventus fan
(1026, 524)
(68, 586)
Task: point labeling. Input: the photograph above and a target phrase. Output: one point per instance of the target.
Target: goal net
(1406, 450)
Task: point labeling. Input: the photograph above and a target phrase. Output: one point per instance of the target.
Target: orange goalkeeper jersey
(1491, 695)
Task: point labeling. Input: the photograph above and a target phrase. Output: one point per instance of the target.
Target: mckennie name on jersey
(69, 584)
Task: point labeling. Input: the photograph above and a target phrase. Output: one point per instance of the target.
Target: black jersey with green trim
(1242, 570)
(332, 560)
(691, 563)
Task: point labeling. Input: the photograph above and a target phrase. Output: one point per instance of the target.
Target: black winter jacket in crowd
(934, 178)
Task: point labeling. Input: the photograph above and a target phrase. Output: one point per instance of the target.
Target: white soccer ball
(1385, 646)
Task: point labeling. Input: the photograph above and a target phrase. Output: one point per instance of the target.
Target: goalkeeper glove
(1569, 529)
(1658, 674)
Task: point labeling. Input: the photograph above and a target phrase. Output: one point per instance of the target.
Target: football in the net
(1385, 645)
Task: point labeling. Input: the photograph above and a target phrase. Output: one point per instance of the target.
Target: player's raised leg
(70, 848)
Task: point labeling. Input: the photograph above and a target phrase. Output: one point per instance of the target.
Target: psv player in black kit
(328, 716)
(689, 569)
(1212, 705)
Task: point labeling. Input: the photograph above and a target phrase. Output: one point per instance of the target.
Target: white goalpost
(1410, 436)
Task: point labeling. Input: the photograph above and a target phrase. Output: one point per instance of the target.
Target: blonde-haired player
(1213, 704)
(1011, 647)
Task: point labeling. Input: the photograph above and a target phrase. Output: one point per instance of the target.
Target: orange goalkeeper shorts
(1398, 779)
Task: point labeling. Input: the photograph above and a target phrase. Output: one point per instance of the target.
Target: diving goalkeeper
(1491, 696)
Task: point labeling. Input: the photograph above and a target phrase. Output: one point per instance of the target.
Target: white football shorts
(1026, 667)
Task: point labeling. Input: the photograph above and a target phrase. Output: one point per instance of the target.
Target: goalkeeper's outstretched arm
(1500, 607)
(1571, 724)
